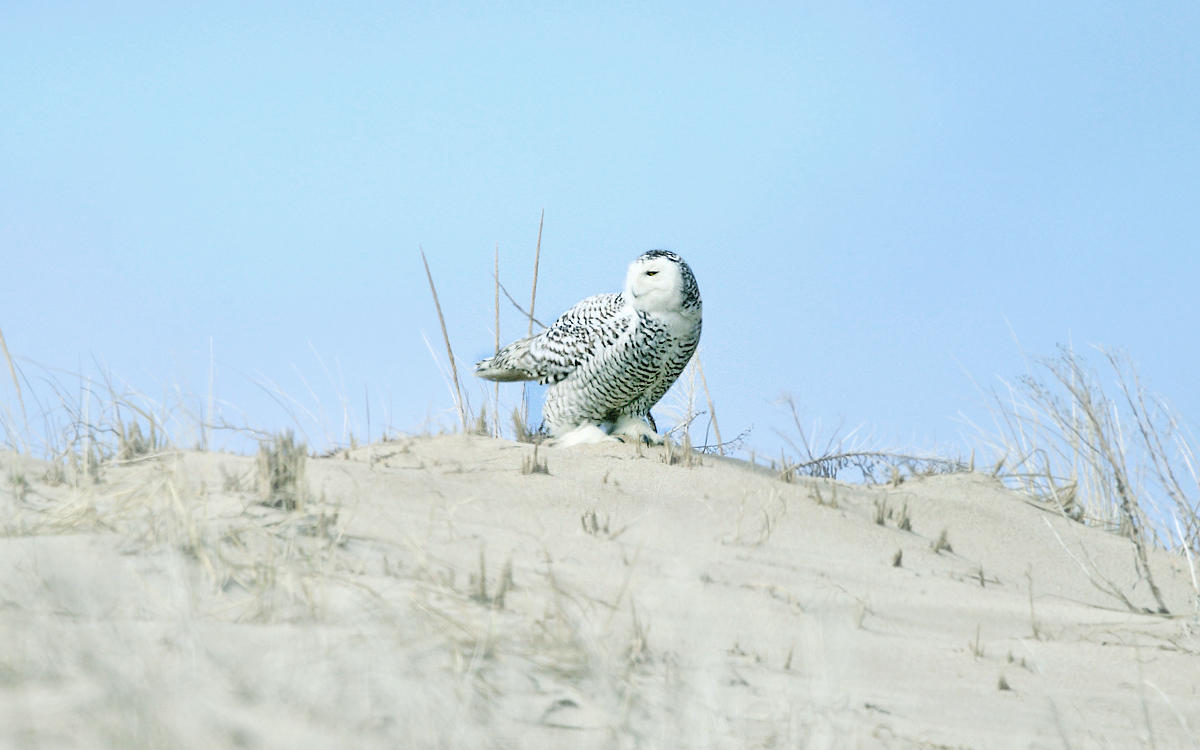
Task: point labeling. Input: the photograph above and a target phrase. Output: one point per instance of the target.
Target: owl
(611, 357)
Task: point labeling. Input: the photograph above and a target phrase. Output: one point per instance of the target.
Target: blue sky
(875, 197)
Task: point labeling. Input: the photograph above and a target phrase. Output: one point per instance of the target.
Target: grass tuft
(17, 482)
(976, 645)
(521, 430)
(593, 523)
(503, 585)
(132, 443)
(532, 465)
(942, 543)
(712, 411)
(681, 455)
(1114, 457)
(281, 471)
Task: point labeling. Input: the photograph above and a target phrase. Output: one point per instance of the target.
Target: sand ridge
(428, 593)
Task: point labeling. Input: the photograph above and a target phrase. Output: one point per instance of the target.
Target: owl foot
(632, 430)
(584, 434)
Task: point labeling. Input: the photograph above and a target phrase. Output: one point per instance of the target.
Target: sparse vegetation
(820, 499)
(862, 608)
(758, 518)
(942, 543)
(885, 513)
(1034, 625)
(832, 455)
(1021, 662)
(521, 430)
(531, 464)
(281, 471)
(1123, 462)
(593, 523)
(480, 586)
(681, 455)
(17, 483)
(976, 645)
(133, 444)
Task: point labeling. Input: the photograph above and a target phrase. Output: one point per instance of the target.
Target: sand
(428, 593)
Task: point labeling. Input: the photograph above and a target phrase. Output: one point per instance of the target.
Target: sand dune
(429, 593)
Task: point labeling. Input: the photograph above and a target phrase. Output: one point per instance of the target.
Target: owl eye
(651, 273)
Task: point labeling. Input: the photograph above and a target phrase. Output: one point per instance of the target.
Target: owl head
(660, 281)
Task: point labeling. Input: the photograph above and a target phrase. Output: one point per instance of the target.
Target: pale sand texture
(723, 607)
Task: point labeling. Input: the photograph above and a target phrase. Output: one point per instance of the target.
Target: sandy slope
(703, 606)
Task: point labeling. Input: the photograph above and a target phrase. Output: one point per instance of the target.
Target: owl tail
(513, 362)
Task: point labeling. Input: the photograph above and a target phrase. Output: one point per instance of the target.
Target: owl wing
(575, 338)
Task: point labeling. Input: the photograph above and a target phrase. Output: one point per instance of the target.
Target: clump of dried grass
(531, 464)
(132, 443)
(281, 471)
(1113, 456)
(942, 543)
(682, 454)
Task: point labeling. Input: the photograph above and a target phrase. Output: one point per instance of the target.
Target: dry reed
(460, 404)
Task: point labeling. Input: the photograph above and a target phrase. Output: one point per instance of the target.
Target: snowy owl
(611, 357)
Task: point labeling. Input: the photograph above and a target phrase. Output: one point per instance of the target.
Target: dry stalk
(516, 305)
(462, 410)
(496, 396)
(712, 412)
(537, 258)
(12, 370)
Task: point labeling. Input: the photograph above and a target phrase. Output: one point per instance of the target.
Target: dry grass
(942, 543)
(459, 404)
(496, 385)
(531, 464)
(679, 405)
(1109, 455)
(470, 422)
(837, 452)
(537, 260)
(712, 410)
(280, 477)
(680, 455)
(12, 371)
